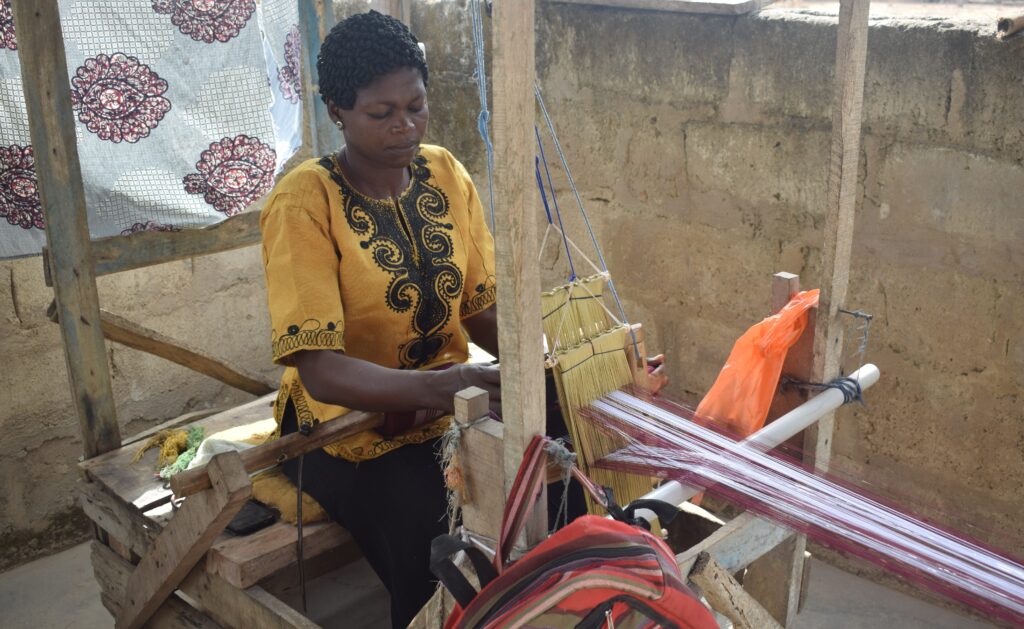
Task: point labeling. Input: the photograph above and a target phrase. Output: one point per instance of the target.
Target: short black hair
(361, 48)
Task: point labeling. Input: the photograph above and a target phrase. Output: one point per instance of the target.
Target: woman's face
(388, 120)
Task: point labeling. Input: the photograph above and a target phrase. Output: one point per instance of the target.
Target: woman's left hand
(657, 378)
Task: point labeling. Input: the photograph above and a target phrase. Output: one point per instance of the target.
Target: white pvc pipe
(771, 435)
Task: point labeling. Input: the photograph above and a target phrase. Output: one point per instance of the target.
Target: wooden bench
(242, 561)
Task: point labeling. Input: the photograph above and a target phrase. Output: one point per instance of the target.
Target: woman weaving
(376, 259)
(378, 264)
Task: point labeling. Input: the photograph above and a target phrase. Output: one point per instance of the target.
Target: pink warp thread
(663, 442)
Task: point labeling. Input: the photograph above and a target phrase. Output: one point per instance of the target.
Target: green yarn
(195, 437)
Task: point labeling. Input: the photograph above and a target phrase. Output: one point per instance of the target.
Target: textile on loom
(184, 112)
(667, 439)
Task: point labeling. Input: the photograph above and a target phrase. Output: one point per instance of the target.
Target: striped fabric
(588, 573)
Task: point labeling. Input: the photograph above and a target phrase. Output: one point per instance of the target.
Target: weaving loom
(177, 555)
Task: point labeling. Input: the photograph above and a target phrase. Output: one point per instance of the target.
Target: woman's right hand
(459, 377)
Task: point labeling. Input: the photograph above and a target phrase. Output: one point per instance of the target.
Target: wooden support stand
(778, 579)
(727, 596)
(185, 540)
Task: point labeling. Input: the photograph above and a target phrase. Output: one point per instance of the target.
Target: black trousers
(396, 504)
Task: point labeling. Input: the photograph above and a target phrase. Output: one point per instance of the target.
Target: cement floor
(59, 592)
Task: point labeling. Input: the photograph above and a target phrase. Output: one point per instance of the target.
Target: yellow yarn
(273, 488)
(171, 443)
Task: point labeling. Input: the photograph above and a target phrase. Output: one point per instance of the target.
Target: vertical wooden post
(776, 579)
(518, 277)
(48, 99)
(480, 452)
(401, 9)
(316, 18)
(851, 54)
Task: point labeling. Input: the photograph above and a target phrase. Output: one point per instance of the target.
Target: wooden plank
(847, 113)
(481, 447)
(128, 333)
(518, 276)
(112, 573)
(228, 605)
(742, 540)
(135, 483)
(48, 101)
(280, 450)
(124, 253)
(121, 520)
(232, 607)
(776, 580)
(317, 19)
(727, 596)
(714, 7)
(244, 561)
(185, 540)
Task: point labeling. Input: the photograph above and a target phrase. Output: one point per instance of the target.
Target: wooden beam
(727, 597)
(518, 276)
(113, 574)
(777, 579)
(184, 541)
(226, 604)
(48, 100)
(130, 334)
(714, 7)
(280, 450)
(847, 106)
(244, 561)
(114, 254)
(317, 19)
(122, 521)
(232, 607)
(481, 447)
(742, 540)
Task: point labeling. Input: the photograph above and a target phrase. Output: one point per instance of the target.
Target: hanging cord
(484, 119)
(451, 465)
(563, 457)
(554, 201)
(583, 213)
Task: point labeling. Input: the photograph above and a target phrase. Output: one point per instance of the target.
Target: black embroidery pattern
(413, 244)
(310, 334)
(482, 299)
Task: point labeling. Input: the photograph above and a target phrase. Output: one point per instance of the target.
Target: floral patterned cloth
(185, 111)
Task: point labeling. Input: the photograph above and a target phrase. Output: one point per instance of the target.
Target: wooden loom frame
(223, 590)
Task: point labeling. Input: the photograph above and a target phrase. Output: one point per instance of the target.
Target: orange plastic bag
(740, 398)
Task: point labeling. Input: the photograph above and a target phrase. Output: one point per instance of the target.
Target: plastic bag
(743, 392)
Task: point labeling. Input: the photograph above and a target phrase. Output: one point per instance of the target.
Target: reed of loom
(590, 356)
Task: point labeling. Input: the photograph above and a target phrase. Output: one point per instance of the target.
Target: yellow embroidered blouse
(384, 281)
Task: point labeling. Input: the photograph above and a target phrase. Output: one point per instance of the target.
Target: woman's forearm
(334, 378)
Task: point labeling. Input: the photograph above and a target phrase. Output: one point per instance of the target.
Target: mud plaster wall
(700, 145)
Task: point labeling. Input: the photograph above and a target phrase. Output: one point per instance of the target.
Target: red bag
(594, 573)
